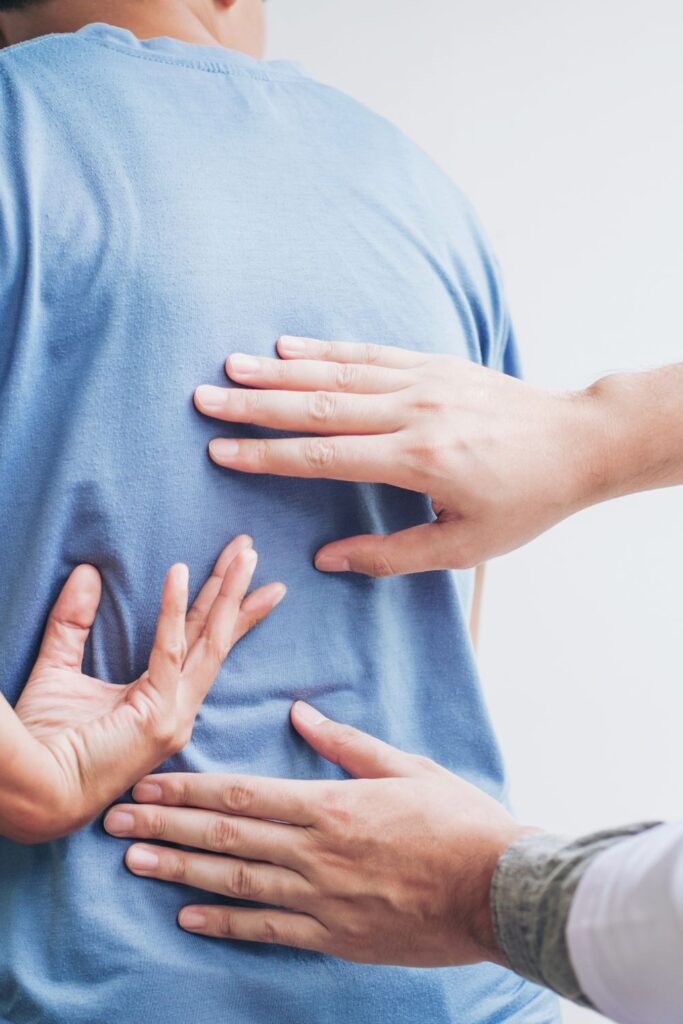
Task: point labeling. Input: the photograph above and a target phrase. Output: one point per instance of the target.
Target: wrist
(481, 925)
(634, 429)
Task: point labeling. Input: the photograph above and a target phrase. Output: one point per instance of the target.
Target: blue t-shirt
(162, 205)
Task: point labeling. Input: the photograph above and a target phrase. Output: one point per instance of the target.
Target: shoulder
(426, 202)
(43, 51)
(382, 152)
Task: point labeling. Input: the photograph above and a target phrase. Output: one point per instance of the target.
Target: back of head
(236, 24)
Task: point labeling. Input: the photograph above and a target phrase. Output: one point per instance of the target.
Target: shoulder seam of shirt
(215, 67)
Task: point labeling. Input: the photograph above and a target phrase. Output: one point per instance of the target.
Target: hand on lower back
(91, 739)
(392, 867)
(501, 461)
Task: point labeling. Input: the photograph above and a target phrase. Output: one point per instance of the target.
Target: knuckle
(429, 401)
(175, 651)
(345, 737)
(380, 566)
(238, 797)
(346, 375)
(372, 353)
(270, 931)
(215, 649)
(336, 811)
(319, 453)
(177, 867)
(326, 350)
(321, 406)
(424, 451)
(222, 834)
(281, 371)
(178, 791)
(242, 882)
(225, 924)
(261, 451)
(249, 402)
(342, 745)
(157, 825)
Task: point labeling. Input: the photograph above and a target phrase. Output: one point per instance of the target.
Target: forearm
(532, 894)
(633, 433)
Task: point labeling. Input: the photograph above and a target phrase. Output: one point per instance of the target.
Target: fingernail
(223, 450)
(192, 919)
(332, 563)
(147, 793)
(211, 399)
(119, 823)
(280, 594)
(140, 858)
(182, 575)
(249, 557)
(244, 366)
(291, 346)
(308, 714)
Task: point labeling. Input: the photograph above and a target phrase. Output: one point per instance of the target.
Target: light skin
(396, 866)
(502, 461)
(74, 743)
(235, 24)
(393, 867)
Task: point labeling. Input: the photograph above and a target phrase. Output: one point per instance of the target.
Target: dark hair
(16, 5)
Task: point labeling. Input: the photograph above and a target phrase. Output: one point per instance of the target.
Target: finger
(425, 548)
(292, 801)
(317, 412)
(315, 375)
(361, 459)
(68, 625)
(227, 876)
(230, 835)
(198, 613)
(215, 640)
(168, 652)
(289, 347)
(270, 926)
(256, 607)
(357, 753)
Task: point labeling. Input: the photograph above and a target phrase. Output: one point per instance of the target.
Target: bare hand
(393, 868)
(501, 461)
(87, 740)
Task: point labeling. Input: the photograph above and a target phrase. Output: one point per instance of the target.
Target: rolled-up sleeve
(532, 896)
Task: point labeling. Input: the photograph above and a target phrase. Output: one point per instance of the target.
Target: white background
(563, 123)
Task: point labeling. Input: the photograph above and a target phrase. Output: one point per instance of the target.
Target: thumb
(420, 549)
(354, 751)
(68, 625)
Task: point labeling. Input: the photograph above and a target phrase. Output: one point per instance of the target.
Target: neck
(201, 22)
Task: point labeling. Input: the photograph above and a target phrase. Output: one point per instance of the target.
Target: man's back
(160, 206)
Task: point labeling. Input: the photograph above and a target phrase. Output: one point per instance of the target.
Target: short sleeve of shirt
(497, 342)
(509, 360)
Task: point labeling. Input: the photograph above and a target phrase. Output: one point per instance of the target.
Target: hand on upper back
(394, 867)
(501, 461)
(91, 740)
